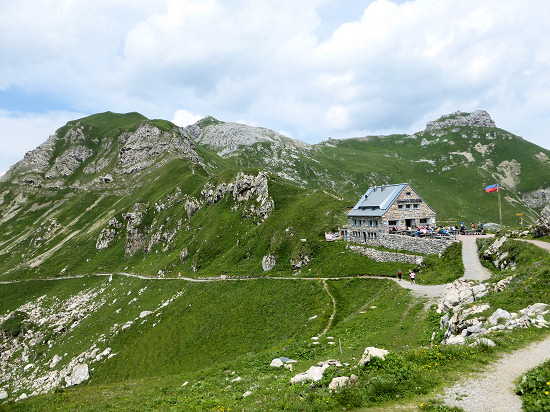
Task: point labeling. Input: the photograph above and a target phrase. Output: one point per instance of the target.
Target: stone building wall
(409, 208)
(362, 229)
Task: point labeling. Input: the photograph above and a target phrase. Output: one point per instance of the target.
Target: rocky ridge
(101, 160)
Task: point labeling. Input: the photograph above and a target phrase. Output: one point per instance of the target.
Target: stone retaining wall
(429, 246)
(380, 256)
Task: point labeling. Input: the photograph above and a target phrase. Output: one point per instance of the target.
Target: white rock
(499, 314)
(370, 352)
(3, 394)
(315, 373)
(455, 340)
(535, 309)
(55, 361)
(237, 379)
(144, 313)
(127, 325)
(80, 374)
(483, 341)
(330, 362)
(338, 382)
(21, 397)
(29, 366)
(276, 363)
(247, 393)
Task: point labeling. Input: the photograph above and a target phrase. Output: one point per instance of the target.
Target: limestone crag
(227, 138)
(249, 190)
(67, 163)
(543, 223)
(479, 118)
(499, 258)
(62, 155)
(140, 149)
(144, 232)
(537, 198)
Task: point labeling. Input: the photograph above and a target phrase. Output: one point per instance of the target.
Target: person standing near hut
(399, 274)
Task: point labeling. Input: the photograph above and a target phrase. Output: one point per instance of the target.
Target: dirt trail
(493, 390)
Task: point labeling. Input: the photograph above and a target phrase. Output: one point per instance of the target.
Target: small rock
(247, 393)
(276, 363)
(499, 314)
(482, 341)
(3, 394)
(455, 340)
(338, 382)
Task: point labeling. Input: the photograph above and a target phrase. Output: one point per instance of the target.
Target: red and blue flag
(492, 188)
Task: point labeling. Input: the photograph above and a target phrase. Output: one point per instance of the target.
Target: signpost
(520, 219)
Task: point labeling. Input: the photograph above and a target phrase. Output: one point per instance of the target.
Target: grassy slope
(215, 339)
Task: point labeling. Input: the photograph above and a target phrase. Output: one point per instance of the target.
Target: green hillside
(130, 246)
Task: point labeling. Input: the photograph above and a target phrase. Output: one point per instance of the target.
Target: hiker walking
(413, 276)
(399, 274)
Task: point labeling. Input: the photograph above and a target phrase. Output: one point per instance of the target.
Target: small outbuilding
(384, 209)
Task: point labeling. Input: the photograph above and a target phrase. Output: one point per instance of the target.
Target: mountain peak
(479, 118)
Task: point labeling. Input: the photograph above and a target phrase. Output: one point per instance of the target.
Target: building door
(409, 222)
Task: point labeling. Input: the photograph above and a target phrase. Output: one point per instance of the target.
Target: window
(392, 222)
(408, 206)
(423, 220)
(416, 206)
(400, 206)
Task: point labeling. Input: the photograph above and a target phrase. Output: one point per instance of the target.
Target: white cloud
(391, 67)
(184, 118)
(22, 132)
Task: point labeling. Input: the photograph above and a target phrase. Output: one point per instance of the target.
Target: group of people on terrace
(424, 230)
(472, 226)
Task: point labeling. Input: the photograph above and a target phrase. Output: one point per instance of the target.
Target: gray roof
(377, 200)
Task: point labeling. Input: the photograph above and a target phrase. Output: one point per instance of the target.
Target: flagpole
(499, 209)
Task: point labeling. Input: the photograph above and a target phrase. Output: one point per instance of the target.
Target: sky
(309, 69)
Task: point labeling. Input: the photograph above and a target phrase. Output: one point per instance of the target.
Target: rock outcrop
(479, 118)
(543, 223)
(465, 320)
(139, 149)
(53, 162)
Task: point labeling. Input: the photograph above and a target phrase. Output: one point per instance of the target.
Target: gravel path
(493, 390)
(473, 269)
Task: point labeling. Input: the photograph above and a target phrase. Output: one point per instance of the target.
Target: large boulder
(79, 374)
(315, 373)
(268, 262)
(543, 223)
(372, 352)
